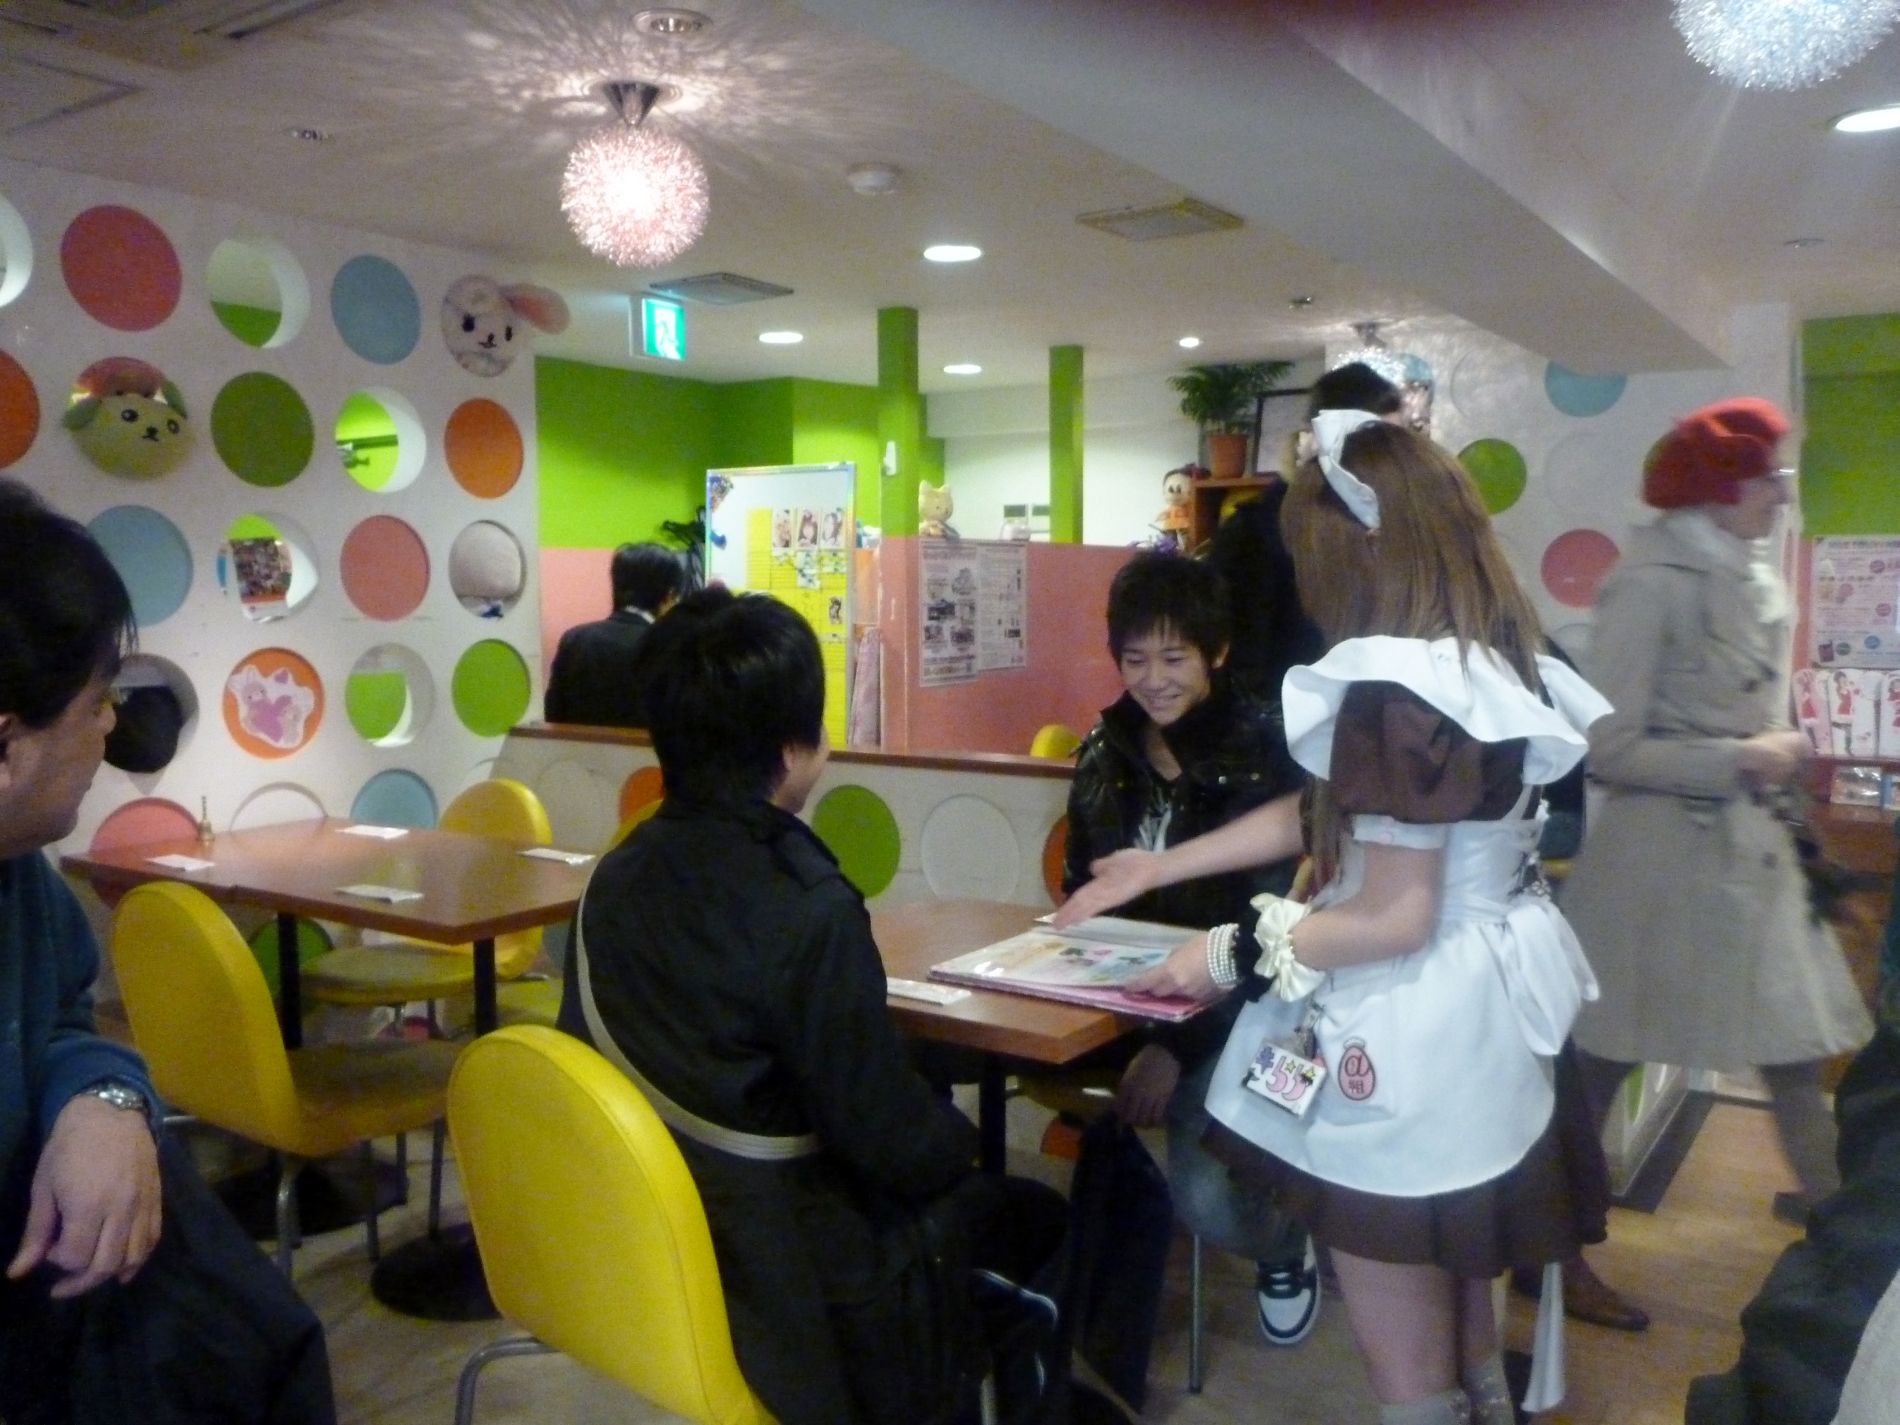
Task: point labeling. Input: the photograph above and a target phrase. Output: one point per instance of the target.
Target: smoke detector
(872, 180)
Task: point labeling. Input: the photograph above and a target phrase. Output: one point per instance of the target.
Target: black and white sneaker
(1287, 1294)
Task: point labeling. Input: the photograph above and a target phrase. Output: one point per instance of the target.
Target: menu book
(1085, 964)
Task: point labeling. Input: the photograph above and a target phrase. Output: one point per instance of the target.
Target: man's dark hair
(1160, 592)
(1353, 387)
(644, 575)
(65, 616)
(731, 681)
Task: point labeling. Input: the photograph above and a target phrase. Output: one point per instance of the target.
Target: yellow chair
(536, 999)
(1054, 740)
(401, 971)
(591, 1229)
(202, 1017)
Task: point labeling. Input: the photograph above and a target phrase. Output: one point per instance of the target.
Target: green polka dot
(862, 834)
(262, 429)
(490, 688)
(312, 940)
(375, 702)
(1497, 470)
(251, 527)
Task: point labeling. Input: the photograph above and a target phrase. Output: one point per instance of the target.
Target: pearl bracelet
(1220, 956)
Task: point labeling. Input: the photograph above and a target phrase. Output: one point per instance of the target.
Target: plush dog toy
(483, 320)
(128, 418)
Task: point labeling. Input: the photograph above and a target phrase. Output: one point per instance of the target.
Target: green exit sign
(662, 329)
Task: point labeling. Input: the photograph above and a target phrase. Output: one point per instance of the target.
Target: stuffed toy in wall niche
(128, 419)
(484, 323)
(934, 508)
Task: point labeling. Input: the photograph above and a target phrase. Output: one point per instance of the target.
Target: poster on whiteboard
(1854, 603)
(972, 608)
(788, 531)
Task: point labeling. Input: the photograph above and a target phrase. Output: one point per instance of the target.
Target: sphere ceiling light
(1782, 44)
(1372, 351)
(631, 194)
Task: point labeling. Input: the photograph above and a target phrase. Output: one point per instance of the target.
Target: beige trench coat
(1687, 895)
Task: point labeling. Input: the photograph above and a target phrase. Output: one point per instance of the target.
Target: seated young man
(129, 1293)
(725, 963)
(1181, 752)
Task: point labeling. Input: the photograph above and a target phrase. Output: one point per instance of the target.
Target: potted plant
(1223, 399)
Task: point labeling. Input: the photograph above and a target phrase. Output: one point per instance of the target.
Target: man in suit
(594, 680)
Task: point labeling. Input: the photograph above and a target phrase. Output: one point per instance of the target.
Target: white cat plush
(484, 323)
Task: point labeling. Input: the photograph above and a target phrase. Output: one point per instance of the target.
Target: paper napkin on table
(566, 858)
(176, 862)
(393, 894)
(381, 833)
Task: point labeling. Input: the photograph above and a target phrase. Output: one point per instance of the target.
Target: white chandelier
(635, 196)
(1782, 44)
(1372, 351)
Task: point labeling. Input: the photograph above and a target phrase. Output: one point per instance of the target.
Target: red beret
(1711, 451)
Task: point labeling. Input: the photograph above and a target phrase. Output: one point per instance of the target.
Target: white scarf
(1748, 557)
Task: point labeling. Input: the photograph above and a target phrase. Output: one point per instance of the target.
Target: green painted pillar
(900, 419)
(1065, 445)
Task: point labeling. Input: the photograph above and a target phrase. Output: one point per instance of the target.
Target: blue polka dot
(395, 798)
(1575, 394)
(151, 557)
(375, 309)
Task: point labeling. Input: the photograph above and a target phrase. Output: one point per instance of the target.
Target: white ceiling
(1557, 171)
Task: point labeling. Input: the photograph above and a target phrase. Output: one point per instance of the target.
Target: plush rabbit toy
(482, 321)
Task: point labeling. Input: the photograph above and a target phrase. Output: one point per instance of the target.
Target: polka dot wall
(329, 531)
(1557, 454)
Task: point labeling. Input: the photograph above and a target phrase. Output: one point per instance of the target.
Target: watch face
(119, 1096)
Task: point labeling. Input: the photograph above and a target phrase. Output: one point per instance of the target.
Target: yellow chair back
(1054, 740)
(590, 1227)
(201, 1013)
(501, 806)
(643, 812)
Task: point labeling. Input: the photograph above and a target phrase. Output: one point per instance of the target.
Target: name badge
(1285, 1078)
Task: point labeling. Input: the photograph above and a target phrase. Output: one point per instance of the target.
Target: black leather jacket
(1233, 757)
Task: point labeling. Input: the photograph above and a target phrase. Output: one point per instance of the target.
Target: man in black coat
(594, 679)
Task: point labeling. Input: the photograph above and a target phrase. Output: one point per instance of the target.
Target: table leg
(990, 1087)
(289, 982)
(485, 1011)
(440, 1277)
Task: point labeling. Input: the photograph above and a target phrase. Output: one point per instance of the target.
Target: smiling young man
(112, 1248)
(1184, 751)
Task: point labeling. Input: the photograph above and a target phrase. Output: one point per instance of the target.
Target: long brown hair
(1433, 569)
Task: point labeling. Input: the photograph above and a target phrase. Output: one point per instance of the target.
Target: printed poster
(1854, 603)
(973, 608)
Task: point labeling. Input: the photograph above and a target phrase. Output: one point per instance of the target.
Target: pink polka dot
(1574, 565)
(121, 268)
(385, 568)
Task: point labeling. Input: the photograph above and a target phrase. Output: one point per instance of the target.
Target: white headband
(1330, 429)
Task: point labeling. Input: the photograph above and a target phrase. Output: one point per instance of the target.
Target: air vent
(34, 93)
(720, 289)
(172, 34)
(1164, 220)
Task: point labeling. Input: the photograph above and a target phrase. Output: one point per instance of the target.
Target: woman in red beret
(1688, 895)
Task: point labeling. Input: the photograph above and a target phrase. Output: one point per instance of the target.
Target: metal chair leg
(402, 1159)
(289, 1234)
(493, 1351)
(1195, 1340)
(371, 1237)
(440, 1133)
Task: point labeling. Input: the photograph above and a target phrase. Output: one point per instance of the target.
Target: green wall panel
(832, 421)
(1850, 459)
(753, 423)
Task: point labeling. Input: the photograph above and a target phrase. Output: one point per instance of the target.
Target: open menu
(1085, 964)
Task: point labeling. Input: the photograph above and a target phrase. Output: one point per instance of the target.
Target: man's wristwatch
(119, 1094)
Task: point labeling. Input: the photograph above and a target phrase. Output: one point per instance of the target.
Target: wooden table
(1003, 1027)
(473, 889)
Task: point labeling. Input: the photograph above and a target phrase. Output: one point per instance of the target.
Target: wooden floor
(1693, 1264)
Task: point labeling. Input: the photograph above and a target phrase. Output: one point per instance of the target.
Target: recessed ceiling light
(1190, 342)
(962, 368)
(781, 338)
(1804, 242)
(1869, 121)
(308, 135)
(952, 252)
(670, 22)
